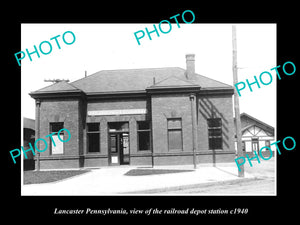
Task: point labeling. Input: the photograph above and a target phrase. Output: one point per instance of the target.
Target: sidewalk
(112, 181)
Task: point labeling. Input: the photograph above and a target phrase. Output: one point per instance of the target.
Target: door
(113, 150)
(124, 152)
(119, 148)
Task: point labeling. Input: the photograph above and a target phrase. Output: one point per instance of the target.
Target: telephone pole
(236, 102)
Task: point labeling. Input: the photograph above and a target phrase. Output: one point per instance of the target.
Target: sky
(113, 46)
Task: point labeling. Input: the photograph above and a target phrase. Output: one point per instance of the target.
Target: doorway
(118, 143)
(255, 145)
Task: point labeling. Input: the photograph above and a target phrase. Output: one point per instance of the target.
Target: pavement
(112, 181)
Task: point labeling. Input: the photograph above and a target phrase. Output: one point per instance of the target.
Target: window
(113, 143)
(59, 145)
(267, 143)
(215, 133)
(93, 137)
(174, 134)
(118, 126)
(143, 131)
(243, 146)
(255, 145)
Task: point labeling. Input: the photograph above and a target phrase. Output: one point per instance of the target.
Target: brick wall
(179, 106)
(73, 112)
(102, 158)
(170, 106)
(216, 107)
(64, 110)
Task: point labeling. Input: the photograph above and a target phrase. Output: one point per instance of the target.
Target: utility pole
(236, 102)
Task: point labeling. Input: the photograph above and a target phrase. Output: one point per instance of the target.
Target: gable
(173, 81)
(247, 121)
(58, 87)
(255, 131)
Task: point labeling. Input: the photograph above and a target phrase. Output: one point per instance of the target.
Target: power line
(56, 80)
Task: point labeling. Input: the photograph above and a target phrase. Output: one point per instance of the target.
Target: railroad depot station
(157, 116)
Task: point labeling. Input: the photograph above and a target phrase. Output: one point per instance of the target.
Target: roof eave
(216, 91)
(57, 94)
(173, 89)
(116, 94)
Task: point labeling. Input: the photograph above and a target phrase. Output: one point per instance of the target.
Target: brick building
(150, 117)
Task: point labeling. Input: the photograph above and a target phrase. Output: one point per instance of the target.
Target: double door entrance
(118, 143)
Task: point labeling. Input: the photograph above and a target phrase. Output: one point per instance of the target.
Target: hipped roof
(62, 86)
(131, 80)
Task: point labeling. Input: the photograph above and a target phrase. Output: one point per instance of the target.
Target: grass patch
(37, 177)
(146, 172)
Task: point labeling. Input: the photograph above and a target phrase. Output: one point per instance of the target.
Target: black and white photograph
(131, 112)
(154, 117)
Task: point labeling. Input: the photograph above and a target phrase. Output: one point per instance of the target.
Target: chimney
(190, 66)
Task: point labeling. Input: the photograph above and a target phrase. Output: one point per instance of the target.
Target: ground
(145, 172)
(264, 183)
(248, 187)
(37, 177)
(220, 179)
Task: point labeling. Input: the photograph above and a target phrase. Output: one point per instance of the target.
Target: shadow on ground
(143, 172)
(38, 177)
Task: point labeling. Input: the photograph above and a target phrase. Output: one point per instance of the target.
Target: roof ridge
(134, 69)
(74, 86)
(139, 79)
(148, 68)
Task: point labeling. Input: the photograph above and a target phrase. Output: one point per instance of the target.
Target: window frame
(268, 143)
(255, 143)
(51, 124)
(87, 138)
(172, 129)
(143, 131)
(213, 138)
